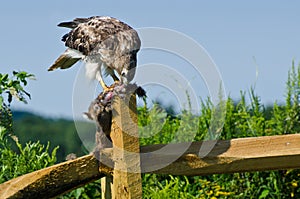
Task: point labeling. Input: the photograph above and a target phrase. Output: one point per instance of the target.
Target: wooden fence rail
(123, 179)
(236, 155)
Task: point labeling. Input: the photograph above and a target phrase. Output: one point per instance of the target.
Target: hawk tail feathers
(66, 60)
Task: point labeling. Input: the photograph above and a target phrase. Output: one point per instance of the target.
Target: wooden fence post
(126, 179)
(106, 187)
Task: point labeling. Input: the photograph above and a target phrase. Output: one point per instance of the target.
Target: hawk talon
(105, 89)
(117, 82)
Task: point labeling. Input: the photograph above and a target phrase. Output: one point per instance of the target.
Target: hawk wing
(89, 33)
(93, 36)
(69, 57)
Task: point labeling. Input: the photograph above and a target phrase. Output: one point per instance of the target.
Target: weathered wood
(106, 187)
(236, 155)
(127, 182)
(54, 180)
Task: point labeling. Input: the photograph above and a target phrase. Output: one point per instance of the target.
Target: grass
(242, 119)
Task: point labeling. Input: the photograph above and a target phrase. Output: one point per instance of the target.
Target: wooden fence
(124, 179)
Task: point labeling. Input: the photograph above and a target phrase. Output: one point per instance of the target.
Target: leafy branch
(13, 87)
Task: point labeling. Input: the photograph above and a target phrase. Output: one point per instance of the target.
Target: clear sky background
(251, 42)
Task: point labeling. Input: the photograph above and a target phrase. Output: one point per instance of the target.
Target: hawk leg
(116, 79)
(101, 81)
(111, 72)
(103, 85)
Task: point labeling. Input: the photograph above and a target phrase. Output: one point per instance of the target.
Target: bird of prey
(102, 43)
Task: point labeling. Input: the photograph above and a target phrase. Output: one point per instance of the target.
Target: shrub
(28, 158)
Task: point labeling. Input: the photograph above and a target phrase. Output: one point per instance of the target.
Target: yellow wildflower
(294, 183)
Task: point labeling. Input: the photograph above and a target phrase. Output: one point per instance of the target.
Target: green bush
(33, 156)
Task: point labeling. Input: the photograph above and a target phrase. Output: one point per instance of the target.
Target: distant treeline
(59, 132)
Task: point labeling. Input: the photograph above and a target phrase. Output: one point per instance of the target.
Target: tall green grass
(247, 117)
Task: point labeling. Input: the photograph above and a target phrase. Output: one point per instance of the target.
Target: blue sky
(252, 43)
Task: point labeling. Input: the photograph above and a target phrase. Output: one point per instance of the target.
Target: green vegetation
(33, 156)
(246, 117)
(13, 88)
(242, 120)
(60, 132)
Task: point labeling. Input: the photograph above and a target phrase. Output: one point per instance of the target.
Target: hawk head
(127, 66)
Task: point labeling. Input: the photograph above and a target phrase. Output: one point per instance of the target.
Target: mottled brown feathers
(87, 33)
(104, 41)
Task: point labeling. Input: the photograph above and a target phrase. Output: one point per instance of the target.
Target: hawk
(102, 43)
